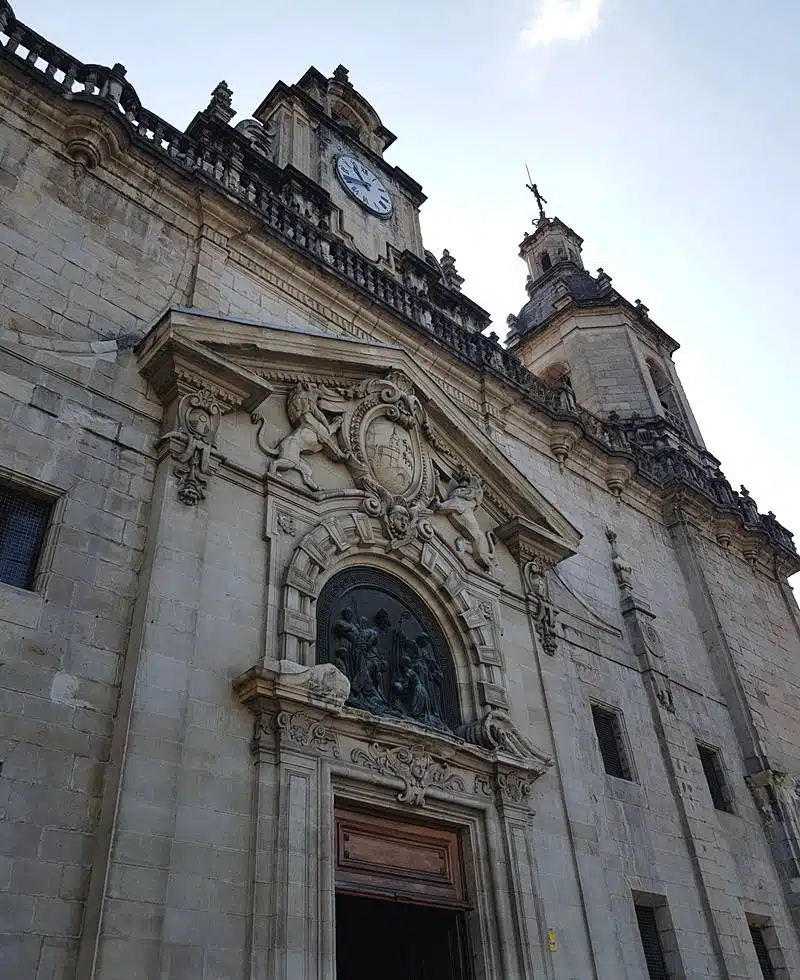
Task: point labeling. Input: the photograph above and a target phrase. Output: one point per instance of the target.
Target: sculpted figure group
(400, 676)
(338, 422)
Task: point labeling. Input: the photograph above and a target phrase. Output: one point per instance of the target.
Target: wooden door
(444, 955)
(395, 859)
(401, 900)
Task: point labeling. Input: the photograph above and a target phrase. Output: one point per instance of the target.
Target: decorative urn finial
(220, 106)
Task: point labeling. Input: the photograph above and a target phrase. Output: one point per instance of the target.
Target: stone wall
(77, 427)
(123, 744)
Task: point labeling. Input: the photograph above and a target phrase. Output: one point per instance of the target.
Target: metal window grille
(715, 778)
(762, 953)
(23, 522)
(609, 737)
(651, 944)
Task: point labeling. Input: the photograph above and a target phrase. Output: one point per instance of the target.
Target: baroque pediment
(417, 459)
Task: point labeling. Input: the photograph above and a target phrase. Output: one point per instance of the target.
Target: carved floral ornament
(380, 431)
(303, 710)
(199, 414)
(543, 612)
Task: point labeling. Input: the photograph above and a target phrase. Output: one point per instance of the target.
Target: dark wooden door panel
(390, 858)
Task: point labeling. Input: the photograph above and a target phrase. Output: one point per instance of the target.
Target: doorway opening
(398, 940)
(401, 901)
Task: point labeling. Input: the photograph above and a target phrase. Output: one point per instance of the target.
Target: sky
(665, 134)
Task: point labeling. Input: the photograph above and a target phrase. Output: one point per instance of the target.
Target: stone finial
(603, 280)
(529, 285)
(449, 272)
(341, 74)
(220, 105)
(748, 506)
(495, 338)
(642, 310)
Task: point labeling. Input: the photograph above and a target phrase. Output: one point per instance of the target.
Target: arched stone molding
(341, 541)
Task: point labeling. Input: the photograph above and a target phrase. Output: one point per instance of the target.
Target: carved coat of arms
(380, 430)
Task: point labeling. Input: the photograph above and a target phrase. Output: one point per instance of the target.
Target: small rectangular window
(764, 961)
(651, 943)
(715, 777)
(23, 522)
(612, 746)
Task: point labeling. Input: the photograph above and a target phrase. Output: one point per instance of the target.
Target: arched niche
(378, 631)
(555, 372)
(665, 390)
(346, 116)
(429, 567)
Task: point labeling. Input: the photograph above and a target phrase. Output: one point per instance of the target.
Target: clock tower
(326, 130)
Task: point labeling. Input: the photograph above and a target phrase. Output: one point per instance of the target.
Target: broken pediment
(338, 100)
(419, 463)
(303, 709)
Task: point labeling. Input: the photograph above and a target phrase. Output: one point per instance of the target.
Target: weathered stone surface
(153, 825)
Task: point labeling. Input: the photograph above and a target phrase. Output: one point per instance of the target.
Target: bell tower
(576, 327)
(327, 131)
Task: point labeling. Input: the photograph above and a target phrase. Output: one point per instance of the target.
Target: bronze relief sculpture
(375, 630)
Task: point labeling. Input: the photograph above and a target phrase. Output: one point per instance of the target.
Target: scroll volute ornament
(543, 611)
(199, 415)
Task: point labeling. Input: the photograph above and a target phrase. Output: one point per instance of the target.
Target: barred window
(651, 943)
(608, 727)
(23, 522)
(715, 777)
(762, 952)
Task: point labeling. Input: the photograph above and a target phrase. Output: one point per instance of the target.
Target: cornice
(175, 366)
(309, 239)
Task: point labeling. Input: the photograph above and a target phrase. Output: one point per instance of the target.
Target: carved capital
(175, 365)
(307, 732)
(510, 788)
(528, 541)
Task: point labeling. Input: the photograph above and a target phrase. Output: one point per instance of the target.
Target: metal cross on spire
(541, 201)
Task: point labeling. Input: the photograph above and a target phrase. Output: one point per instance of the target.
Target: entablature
(302, 709)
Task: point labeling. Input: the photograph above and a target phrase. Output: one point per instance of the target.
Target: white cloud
(562, 20)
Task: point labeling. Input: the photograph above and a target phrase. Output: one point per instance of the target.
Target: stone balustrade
(222, 157)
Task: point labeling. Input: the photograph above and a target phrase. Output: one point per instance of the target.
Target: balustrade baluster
(14, 41)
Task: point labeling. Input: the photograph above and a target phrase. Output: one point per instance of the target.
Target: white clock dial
(364, 185)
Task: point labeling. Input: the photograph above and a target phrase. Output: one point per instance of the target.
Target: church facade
(339, 637)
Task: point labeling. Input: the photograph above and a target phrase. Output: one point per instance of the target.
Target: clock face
(364, 185)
